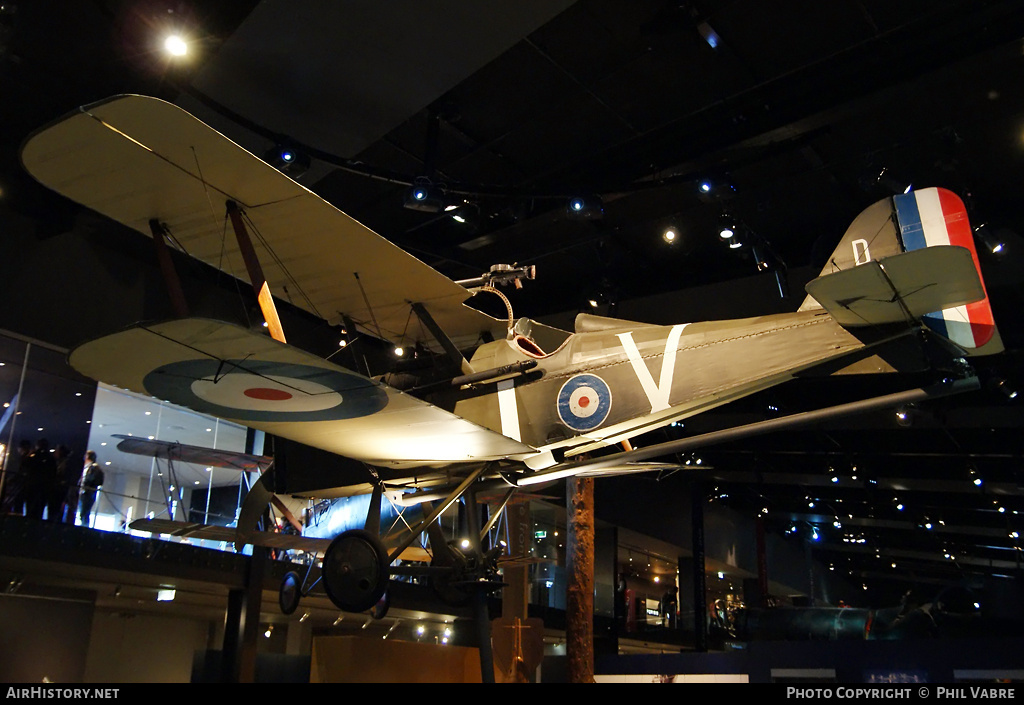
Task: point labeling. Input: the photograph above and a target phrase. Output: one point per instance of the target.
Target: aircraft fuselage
(602, 386)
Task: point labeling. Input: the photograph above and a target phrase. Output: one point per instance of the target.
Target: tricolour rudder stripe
(935, 216)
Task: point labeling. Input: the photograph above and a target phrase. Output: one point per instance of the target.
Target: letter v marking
(657, 394)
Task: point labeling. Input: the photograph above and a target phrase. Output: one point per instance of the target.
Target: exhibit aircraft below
(493, 405)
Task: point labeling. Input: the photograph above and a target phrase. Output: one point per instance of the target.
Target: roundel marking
(584, 402)
(259, 390)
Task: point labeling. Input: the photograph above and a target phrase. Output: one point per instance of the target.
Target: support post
(700, 606)
(242, 621)
(579, 601)
(515, 595)
(482, 612)
(762, 564)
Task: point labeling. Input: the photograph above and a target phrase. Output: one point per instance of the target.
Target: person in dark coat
(92, 478)
(14, 481)
(40, 479)
(64, 501)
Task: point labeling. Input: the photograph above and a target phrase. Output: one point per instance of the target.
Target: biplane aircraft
(507, 403)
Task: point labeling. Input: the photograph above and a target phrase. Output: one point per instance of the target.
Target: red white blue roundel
(584, 402)
(257, 390)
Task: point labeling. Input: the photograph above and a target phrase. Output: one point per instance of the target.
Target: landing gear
(290, 592)
(451, 585)
(355, 570)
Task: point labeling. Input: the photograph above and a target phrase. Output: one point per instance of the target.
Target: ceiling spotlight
(727, 228)
(761, 262)
(709, 35)
(670, 235)
(989, 240)
(424, 196)
(587, 207)
(287, 158)
(1008, 390)
(175, 45)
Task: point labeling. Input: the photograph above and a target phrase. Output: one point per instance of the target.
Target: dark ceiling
(798, 113)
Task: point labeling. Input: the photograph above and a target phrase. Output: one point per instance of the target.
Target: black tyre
(355, 570)
(290, 593)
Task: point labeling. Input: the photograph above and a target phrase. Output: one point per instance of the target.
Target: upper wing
(233, 373)
(137, 159)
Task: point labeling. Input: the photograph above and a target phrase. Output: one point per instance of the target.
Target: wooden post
(579, 601)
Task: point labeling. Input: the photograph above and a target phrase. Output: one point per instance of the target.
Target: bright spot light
(175, 45)
(399, 351)
(670, 235)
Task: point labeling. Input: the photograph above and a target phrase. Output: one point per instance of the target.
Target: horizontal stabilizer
(899, 288)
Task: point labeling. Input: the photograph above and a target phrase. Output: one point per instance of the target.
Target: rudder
(909, 222)
(936, 216)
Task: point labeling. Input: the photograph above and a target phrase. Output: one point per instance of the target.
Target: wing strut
(252, 265)
(441, 337)
(171, 280)
(432, 516)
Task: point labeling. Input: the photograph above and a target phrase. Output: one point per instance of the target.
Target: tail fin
(923, 264)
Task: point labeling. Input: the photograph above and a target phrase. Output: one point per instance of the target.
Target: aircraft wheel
(355, 570)
(290, 592)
